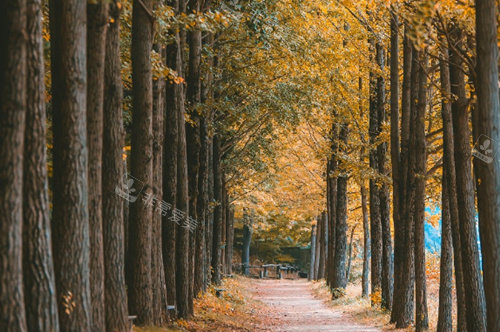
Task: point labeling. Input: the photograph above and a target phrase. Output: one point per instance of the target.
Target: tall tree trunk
(488, 175)
(113, 170)
(202, 206)
(317, 262)
(141, 166)
(193, 98)
(366, 242)
(418, 120)
(375, 222)
(201, 255)
(126, 213)
(217, 222)
(229, 237)
(445, 323)
(223, 228)
(395, 141)
(401, 276)
(211, 210)
(339, 278)
(383, 190)
(473, 285)
(329, 258)
(313, 253)
(404, 315)
(331, 181)
(13, 44)
(38, 268)
(156, 231)
(165, 315)
(13, 78)
(451, 186)
(70, 222)
(172, 111)
(349, 256)
(206, 164)
(245, 254)
(182, 237)
(323, 243)
(97, 18)
(364, 209)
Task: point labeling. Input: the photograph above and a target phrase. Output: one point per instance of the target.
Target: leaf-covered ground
(268, 305)
(235, 310)
(362, 311)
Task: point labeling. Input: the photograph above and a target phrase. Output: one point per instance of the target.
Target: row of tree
(447, 71)
(90, 235)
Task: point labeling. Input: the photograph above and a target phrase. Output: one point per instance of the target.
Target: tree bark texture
(113, 172)
(172, 106)
(38, 268)
(473, 285)
(312, 253)
(70, 222)
(97, 18)
(400, 231)
(445, 323)
(141, 166)
(487, 122)
(451, 186)
(339, 278)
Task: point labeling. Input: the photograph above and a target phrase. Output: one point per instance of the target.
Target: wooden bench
(219, 291)
(264, 269)
(131, 321)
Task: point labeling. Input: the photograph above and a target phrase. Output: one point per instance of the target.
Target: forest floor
(278, 305)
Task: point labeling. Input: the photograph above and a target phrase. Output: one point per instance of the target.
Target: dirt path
(292, 307)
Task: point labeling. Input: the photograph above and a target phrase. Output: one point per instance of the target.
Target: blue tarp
(433, 234)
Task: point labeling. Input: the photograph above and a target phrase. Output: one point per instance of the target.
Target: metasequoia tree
(97, 21)
(13, 73)
(113, 171)
(38, 269)
(475, 310)
(70, 221)
(171, 138)
(449, 176)
(339, 279)
(141, 165)
(402, 313)
(486, 122)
